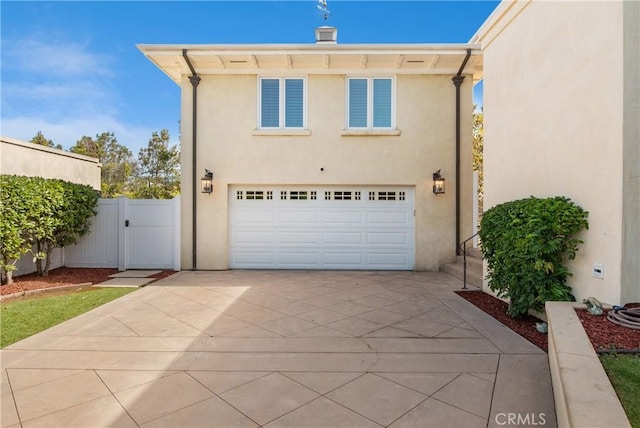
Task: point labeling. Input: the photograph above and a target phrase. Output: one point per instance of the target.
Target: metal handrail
(463, 248)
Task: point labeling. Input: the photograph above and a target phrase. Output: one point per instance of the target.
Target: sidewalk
(280, 348)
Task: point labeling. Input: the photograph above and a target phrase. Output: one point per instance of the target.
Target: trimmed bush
(43, 213)
(526, 243)
(73, 214)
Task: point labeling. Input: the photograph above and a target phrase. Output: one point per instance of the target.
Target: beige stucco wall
(554, 105)
(227, 111)
(33, 160)
(631, 154)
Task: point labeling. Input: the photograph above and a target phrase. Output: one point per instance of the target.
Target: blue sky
(70, 69)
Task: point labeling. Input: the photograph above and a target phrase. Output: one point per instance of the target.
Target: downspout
(457, 81)
(195, 80)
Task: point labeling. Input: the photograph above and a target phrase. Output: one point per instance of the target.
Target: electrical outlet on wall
(598, 270)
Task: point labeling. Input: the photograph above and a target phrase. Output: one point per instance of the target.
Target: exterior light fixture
(438, 183)
(206, 182)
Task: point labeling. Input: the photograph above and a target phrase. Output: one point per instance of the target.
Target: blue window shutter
(357, 103)
(382, 103)
(293, 103)
(270, 106)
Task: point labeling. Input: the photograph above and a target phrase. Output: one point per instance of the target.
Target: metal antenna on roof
(322, 6)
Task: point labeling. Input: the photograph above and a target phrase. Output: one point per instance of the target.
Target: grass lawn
(23, 318)
(624, 373)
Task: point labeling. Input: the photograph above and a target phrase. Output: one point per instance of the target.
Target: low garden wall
(583, 394)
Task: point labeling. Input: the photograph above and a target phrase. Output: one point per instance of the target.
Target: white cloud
(55, 79)
(67, 59)
(65, 90)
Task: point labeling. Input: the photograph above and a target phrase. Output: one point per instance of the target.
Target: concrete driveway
(280, 349)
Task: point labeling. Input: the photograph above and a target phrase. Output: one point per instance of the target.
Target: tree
(478, 145)
(39, 138)
(118, 165)
(158, 174)
(87, 146)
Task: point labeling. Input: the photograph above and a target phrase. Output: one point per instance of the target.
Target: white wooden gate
(131, 234)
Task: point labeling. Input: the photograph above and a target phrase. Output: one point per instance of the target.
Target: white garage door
(321, 228)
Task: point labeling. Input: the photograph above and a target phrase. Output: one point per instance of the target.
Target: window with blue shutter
(382, 103)
(358, 103)
(294, 103)
(282, 103)
(270, 105)
(370, 103)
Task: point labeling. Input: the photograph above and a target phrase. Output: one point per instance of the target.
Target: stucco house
(323, 155)
(562, 117)
(27, 159)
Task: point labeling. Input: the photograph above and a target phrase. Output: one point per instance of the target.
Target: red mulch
(525, 326)
(605, 335)
(602, 333)
(64, 276)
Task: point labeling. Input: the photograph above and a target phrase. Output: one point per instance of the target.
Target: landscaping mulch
(607, 336)
(63, 277)
(604, 335)
(525, 325)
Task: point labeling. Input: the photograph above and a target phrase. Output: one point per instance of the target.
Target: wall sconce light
(206, 182)
(438, 183)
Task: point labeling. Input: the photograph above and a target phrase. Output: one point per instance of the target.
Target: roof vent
(326, 35)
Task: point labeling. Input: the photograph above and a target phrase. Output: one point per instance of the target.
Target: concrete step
(473, 263)
(474, 277)
(474, 252)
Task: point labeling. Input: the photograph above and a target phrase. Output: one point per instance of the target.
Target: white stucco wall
(227, 111)
(33, 160)
(554, 104)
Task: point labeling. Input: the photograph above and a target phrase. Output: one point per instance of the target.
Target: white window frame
(370, 80)
(281, 103)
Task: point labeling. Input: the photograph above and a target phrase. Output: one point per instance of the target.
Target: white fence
(131, 234)
(100, 247)
(126, 234)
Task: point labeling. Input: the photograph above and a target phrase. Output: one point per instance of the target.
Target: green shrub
(40, 212)
(26, 214)
(525, 243)
(73, 215)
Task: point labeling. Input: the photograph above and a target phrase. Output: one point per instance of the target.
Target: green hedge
(44, 213)
(526, 243)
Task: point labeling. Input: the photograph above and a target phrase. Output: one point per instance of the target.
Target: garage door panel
(265, 258)
(365, 228)
(253, 216)
(388, 238)
(341, 238)
(342, 260)
(341, 217)
(298, 216)
(298, 238)
(390, 217)
(387, 259)
(254, 237)
(298, 259)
